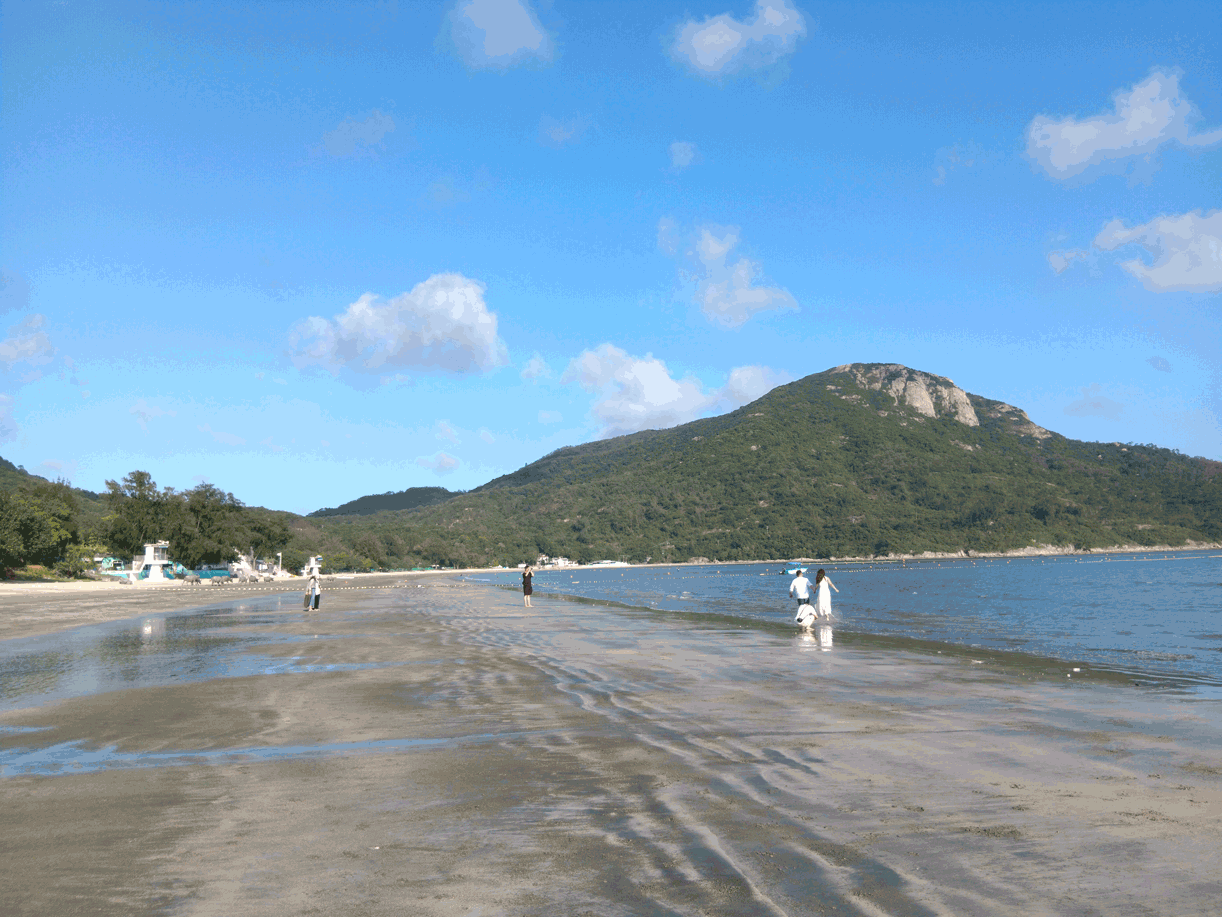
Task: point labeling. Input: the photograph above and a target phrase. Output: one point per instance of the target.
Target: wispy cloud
(228, 439)
(144, 412)
(353, 137)
(536, 368)
(27, 343)
(441, 463)
(1094, 404)
(549, 417)
(722, 45)
(1146, 116)
(1160, 363)
(445, 431)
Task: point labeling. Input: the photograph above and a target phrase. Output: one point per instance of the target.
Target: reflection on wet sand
(817, 637)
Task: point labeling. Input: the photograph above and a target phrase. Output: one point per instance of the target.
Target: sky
(308, 252)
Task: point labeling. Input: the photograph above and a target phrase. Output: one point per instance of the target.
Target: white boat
(609, 563)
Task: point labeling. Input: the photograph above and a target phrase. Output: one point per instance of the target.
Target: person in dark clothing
(527, 588)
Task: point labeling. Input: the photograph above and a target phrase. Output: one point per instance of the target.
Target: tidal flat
(432, 747)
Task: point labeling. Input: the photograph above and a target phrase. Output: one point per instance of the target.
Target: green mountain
(863, 459)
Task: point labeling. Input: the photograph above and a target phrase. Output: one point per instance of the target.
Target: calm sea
(1155, 617)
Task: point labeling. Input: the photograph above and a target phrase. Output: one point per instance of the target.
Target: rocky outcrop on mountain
(1015, 418)
(932, 396)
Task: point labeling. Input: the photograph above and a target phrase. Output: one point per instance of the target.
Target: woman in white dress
(823, 597)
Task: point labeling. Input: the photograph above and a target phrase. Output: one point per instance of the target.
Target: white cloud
(144, 412)
(727, 292)
(1160, 363)
(441, 324)
(1093, 404)
(486, 435)
(271, 445)
(352, 137)
(447, 432)
(497, 33)
(550, 417)
(441, 463)
(229, 439)
(683, 154)
(27, 343)
(723, 45)
(1147, 116)
(747, 383)
(639, 393)
(1187, 251)
(1061, 260)
(536, 368)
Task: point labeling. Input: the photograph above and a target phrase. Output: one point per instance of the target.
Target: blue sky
(310, 252)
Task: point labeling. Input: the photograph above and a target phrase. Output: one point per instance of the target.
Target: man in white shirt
(799, 588)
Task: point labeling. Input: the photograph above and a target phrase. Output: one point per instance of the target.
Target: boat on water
(609, 563)
(793, 567)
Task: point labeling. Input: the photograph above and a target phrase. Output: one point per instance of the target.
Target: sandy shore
(435, 748)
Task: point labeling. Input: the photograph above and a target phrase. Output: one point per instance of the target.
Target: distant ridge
(862, 459)
(412, 498)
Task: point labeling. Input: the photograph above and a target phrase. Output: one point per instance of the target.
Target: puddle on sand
(75, 758)
(150, 651)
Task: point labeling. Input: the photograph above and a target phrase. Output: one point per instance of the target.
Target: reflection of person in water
(528, 588)
(823, 601)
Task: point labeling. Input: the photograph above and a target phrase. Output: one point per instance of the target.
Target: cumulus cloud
(441, 324)
(27, 343)
(1093, 404)
(229, 439)
(536, 368)
(144, 412)
(497, 33)
(682, 154)
(727, 292)
(1160, 363)
(353, 137)
(1187, 251)
(639, 393)
(441, 463)
(1146, 116)
(723, 45)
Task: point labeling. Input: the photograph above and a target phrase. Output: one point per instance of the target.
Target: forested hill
(860, 459)
(411, 498)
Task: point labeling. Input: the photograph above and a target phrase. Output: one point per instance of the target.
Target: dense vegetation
(819, 468)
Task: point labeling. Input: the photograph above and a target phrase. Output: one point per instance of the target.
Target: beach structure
(151, 567)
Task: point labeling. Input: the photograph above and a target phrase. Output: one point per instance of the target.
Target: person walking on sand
(528, 588)
(823, 601)
(799, 588)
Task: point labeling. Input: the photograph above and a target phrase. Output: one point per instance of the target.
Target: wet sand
(479, 758)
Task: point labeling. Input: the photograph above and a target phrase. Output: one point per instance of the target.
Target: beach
(426, 745)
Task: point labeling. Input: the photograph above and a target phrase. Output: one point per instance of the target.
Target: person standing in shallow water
(528, 588)
(823, 599)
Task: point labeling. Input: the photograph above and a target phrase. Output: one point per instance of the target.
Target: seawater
(1151, 616)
